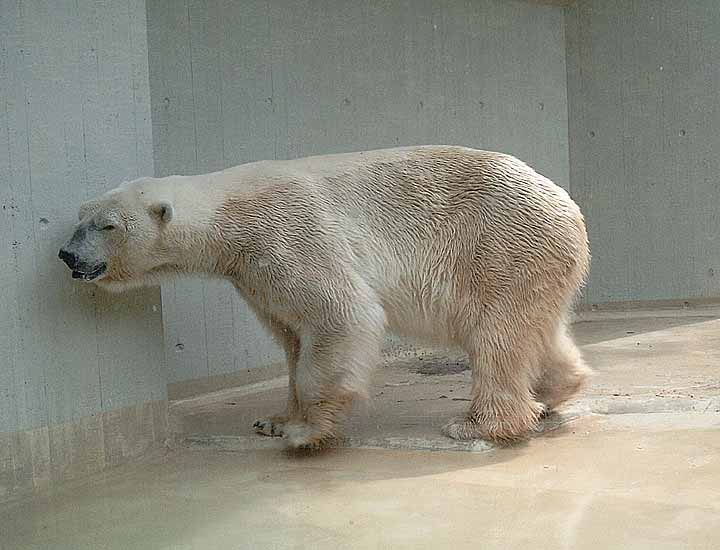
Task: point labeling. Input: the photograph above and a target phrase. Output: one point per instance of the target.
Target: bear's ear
(163, 211)
(83, 210)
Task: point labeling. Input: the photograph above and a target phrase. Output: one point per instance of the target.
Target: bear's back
(403, 202)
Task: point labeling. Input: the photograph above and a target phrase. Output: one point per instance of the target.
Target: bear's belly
(418, 314)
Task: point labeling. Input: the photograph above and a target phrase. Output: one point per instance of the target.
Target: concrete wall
(643, 83)
(234, 82)
(81, 376)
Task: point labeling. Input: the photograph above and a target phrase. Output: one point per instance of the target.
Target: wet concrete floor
(634, 462)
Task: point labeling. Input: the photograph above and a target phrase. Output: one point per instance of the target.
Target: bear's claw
(269, 427)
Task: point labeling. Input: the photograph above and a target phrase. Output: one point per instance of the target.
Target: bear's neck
(210, 235)
(203, 253)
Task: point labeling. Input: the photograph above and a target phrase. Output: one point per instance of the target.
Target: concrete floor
(633, 463)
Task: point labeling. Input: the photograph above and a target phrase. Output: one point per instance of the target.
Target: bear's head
(123, 238)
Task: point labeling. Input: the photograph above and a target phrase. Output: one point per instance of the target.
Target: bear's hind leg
(563, 373)
(503, 408)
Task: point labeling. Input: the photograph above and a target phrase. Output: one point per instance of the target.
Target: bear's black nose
(70, 258)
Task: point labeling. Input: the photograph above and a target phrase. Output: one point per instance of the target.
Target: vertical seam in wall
(692, 162)
(222, 80)
(13, 231)
(95, 309)
(579, 110)
(567, 95)
(192, 85)
(98, 354)
(96, 313)
(272, 81)
(34, 234)
(99, 359)
(626, 184)
(232, 298)
(234, 331)
(150, 126)
(197, 167)
(132, 85)
(205, 324)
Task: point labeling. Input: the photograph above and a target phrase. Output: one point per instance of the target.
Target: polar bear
(457, 246)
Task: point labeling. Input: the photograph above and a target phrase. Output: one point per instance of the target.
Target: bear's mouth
(90, 275)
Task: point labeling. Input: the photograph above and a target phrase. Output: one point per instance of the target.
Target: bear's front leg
(274, 426)
(333, 370)
(320, 423)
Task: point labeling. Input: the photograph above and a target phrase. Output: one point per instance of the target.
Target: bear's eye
(108, 227)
